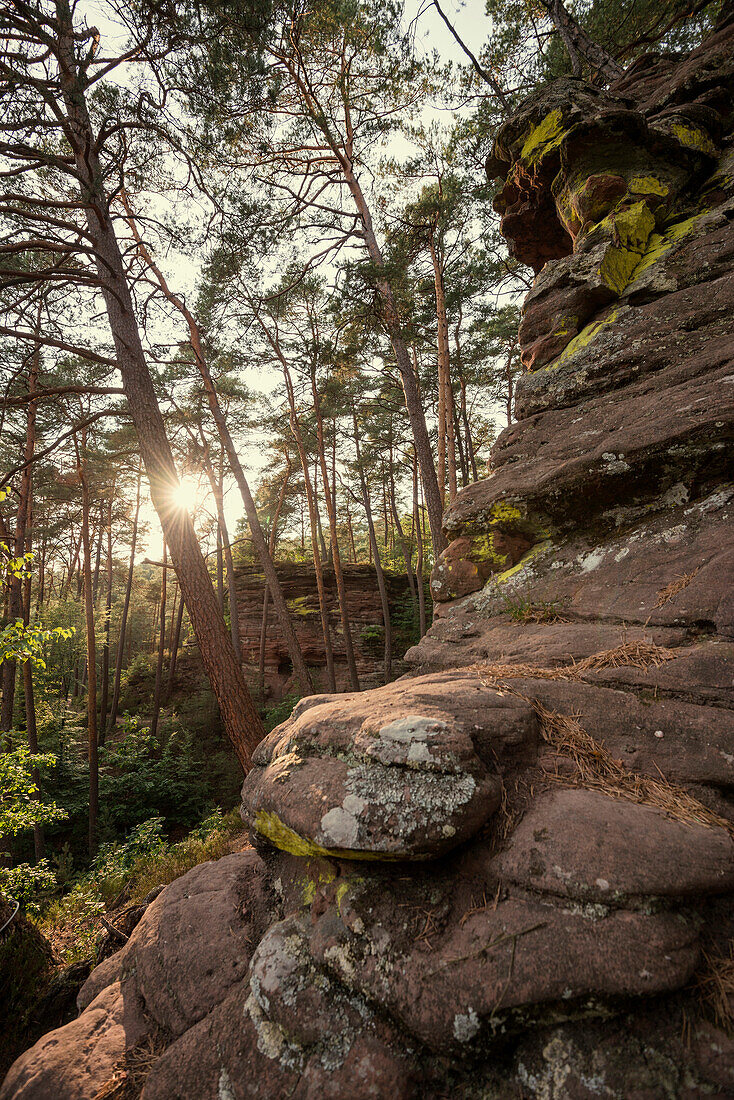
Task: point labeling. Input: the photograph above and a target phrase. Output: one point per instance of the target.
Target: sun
(187, 495)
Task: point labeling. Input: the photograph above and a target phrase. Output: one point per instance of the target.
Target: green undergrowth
(124, 872)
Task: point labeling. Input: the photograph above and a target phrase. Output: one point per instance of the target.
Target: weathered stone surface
(77, 1060)
(394, 775)
(519, 953)
(545, 939)
(298, 582)
(614, 851)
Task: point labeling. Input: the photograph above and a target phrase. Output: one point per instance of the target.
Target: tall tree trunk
(15, 610)
(310, 499)
(91, 647)
(161, 646)
(335, 552)
(224, 554)
(419, 553)
(579, 45)
(464, 411)
(391, 320)
(120, 654)
(372, 535)
(253, 520)
(404, 548)
(240, 718)
(39, 840)
(220, 569)
(444, 370)
(174, 649)
(105, 673)
(272, 539)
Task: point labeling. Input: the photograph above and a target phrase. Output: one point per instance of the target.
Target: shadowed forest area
(259, 329)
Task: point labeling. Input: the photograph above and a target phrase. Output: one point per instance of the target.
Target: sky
(430, 34)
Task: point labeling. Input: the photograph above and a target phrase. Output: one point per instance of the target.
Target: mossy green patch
(631, 229)
(693, 137)
(648, 185)
(483, 549)
(299, 606)
(539, 548)
(583, 339)
(543, 138)
(269, 825)
(659, 244)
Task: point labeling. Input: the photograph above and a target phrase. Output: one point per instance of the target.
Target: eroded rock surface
(511, 873)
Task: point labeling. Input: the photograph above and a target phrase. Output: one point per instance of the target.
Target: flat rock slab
(519, 954)
(586, 845)
(405, 772)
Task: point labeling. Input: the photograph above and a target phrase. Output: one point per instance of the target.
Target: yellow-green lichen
(648, 185)
(341, 891)
(483, 549)
(631, 228)
(533, 552)
(584, 338)
(299, 606)
(544, 137)
(325, 874)
(693, 138)
(502, 512)
(269, 825)
(660, 243)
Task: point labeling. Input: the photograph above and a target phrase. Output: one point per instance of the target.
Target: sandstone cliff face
(511, 874)
(299, 588)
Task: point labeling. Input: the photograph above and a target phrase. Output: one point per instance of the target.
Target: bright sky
(431, 34)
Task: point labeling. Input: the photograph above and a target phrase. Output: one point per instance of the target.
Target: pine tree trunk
(106, 646)
(161, 646)
(253, 520)
(91, 647)
(239, 716)
(120, 653)
(372, 534)
(335, 552)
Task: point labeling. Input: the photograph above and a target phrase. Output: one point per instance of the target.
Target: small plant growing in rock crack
(523, 610)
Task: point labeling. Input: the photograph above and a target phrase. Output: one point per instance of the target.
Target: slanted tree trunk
(253, 520)
(239, 716)
(295, 426)
(579, 45)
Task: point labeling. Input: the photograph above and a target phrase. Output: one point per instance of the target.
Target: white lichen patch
(466, 1025)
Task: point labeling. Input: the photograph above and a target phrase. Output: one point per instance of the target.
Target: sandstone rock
(533, 939)
(397, 775)
(298, 582)
(77, 1060)
(614, 851)
(195, 940)
(519, 953)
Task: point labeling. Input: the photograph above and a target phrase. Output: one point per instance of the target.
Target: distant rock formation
(298, 582)
(511, 874)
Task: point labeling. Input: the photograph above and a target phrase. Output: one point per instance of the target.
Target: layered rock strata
(298, 582)
(511, 873)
